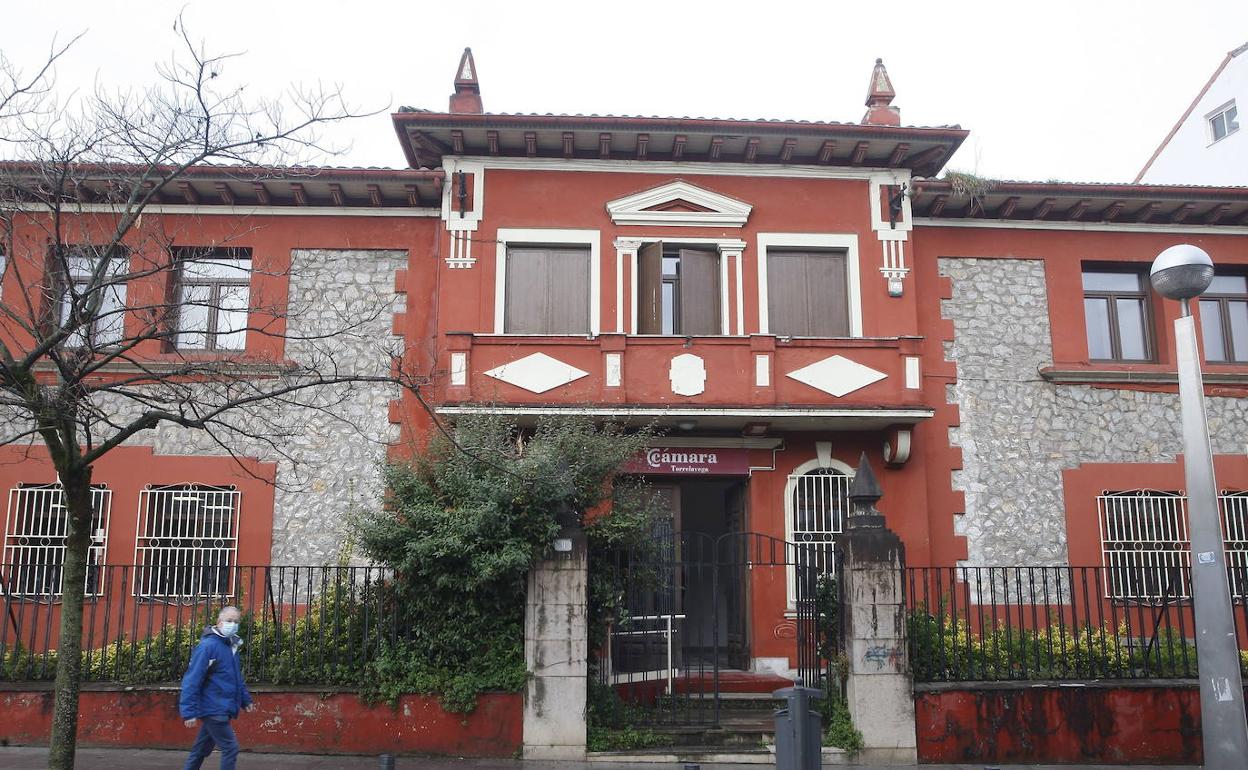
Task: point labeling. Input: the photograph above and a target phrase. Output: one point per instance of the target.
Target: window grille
(35, 529)
(1146, 547)
(818, 505)
(186, 542)
(1235, 531)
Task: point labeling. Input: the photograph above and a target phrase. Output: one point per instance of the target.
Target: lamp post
(1183, 272)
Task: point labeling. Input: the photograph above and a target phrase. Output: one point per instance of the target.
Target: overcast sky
(1079, 91)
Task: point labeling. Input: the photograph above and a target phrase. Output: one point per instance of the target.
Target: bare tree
(84, 314)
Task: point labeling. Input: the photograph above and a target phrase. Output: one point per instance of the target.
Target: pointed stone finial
(864, 492)
(880, 95)
(467, 96)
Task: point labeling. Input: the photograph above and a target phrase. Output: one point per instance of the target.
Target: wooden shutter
(567, 291)
(547, 291)
(650, 289)
(699, 292)
(526, 291)
(807, 294)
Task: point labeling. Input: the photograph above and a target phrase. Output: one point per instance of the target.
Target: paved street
(22, 758)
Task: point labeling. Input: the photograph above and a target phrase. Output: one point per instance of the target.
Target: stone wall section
(332, 463)
(343, 308)
(1019, 432)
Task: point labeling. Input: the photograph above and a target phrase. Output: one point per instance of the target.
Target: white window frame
(847, 242)
(790, 489)
(1213, 115)
(520, 237)
(168, 552)
(44, 542)
(1117, 514)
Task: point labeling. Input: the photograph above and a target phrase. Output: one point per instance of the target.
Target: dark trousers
(215, 732)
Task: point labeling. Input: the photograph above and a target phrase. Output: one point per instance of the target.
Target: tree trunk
(76, 488)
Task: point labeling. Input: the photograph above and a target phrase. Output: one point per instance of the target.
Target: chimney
(467, 96)
(880, 111)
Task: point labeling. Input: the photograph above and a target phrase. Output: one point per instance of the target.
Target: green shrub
(943, 648)
(464, 524)
(612, 723)
(838, 724)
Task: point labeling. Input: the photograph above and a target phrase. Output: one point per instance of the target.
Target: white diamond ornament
(837, 375)
(537, 373)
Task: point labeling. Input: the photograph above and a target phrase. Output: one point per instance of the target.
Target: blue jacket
(213, 684)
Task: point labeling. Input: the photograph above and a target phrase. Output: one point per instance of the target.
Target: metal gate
(677, 618)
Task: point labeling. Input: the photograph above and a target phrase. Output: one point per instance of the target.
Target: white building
(1207, 145)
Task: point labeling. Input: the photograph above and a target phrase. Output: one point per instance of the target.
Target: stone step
(696, 754)
(712, 755)
(750, 733)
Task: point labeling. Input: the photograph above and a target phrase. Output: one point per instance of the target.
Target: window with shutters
(678, 290)
(807, 293)
(547, 290)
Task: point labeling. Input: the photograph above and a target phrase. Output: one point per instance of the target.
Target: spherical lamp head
(1182, 272)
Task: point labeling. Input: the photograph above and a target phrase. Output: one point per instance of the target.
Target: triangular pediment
(681, 204)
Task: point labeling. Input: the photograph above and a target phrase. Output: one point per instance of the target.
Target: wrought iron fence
(301, 624)
(1027, 623)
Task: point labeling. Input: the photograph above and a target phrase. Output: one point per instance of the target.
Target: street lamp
(1183, 272)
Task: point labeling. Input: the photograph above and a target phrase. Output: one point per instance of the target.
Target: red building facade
(780, 297)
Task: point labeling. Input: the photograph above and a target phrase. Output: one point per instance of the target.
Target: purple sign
(691, 461)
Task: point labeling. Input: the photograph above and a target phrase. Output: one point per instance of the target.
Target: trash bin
(790, 754)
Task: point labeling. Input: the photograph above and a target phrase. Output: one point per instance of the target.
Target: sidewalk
(24, 758)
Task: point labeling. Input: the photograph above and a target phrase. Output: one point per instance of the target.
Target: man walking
(213, 691)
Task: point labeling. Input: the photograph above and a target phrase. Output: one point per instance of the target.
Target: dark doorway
(703, 511)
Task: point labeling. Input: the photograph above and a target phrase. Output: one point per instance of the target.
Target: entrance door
(736, 577)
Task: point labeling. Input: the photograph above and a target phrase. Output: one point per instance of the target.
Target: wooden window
(679, 291)
(214, 292)
(1116, 309)
(547, 290)
(75, 274)
(1224, 319)
(807, 294)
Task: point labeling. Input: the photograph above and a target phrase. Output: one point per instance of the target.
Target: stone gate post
(556, 650)
(878, 687)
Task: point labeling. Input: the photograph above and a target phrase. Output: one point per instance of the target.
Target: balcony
(724, 381)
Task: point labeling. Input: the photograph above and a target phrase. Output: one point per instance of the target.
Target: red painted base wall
(284, 721)
(1150, 724)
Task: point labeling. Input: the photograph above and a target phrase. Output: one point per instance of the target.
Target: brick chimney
(467, 96)
(880, 109)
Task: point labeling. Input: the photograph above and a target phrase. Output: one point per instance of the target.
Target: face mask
(228, 627)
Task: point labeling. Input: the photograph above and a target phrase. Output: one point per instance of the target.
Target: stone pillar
(556, 651)
(878, 687)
